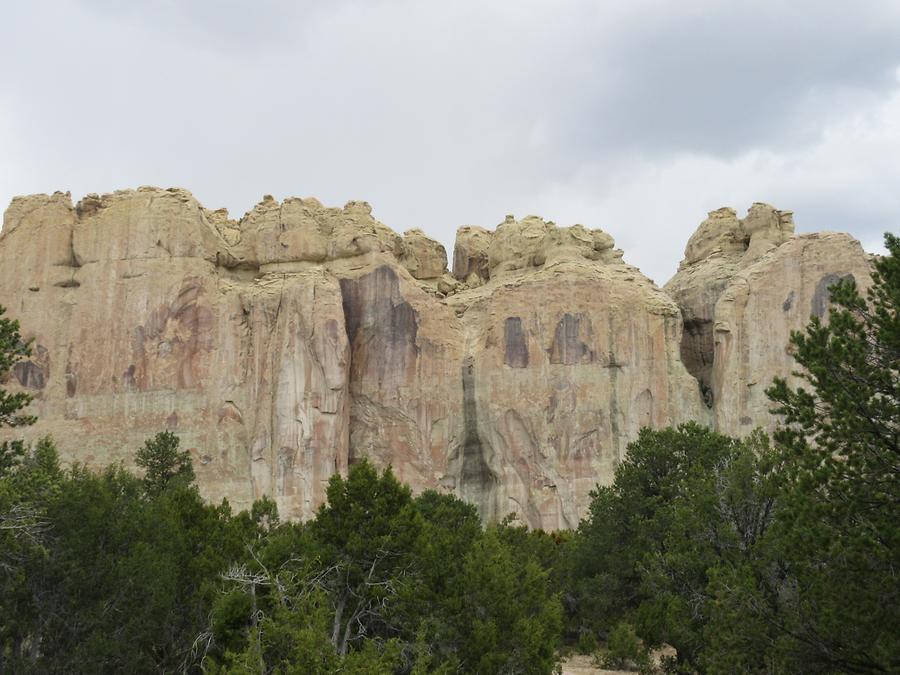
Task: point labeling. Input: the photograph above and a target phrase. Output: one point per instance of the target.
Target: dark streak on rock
(698, 351)
(822, 298)
(30, 375)
(128, 377)
(373, 300)
(515, 353)
(67, 283)
(788, 302)
(34, 373)
(382, 327)
(71, 378)
(567, 348)
(477, 481)
(614, 394)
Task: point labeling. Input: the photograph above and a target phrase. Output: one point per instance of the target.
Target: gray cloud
(638, 117)
(727, 77)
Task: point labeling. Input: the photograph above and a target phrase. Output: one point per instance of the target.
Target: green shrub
(624, 649)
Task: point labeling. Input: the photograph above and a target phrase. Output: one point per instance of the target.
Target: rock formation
(289, 344)
(742, 287)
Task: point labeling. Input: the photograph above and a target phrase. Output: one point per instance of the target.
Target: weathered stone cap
(519, 244)
(152, 222)
(724, 234)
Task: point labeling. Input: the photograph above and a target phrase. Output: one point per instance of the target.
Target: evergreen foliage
(384, 582)
(838, 537)
(117, 573)
(751, 558)
(163, 464)
(684, 501)
(12, 350)
(745, 555)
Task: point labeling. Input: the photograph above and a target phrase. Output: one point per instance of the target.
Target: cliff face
(286, 345)
(743, 286)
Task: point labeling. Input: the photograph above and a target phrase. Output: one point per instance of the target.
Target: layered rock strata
(284, 346)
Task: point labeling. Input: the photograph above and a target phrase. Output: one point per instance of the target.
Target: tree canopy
(751, 555)
(12, 350)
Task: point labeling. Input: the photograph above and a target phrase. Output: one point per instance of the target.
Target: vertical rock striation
(742, 287)
(570, 351)
(288, 344)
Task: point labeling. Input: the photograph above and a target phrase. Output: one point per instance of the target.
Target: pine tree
(838, 535)
(164, 464)
(12, 350)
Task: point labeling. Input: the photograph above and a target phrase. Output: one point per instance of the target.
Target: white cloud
(845, 181)
(638, 117)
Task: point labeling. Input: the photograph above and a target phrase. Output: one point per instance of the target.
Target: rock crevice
(287, 344)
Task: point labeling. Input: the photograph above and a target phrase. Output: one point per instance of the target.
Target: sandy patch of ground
(579, 664)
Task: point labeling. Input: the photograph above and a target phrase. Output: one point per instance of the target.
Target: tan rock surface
(756, 313)
(556, 388)
(721, 246)
(422, 257)
(742, 287)
(300, 338)
(520, 407)
(470, 255)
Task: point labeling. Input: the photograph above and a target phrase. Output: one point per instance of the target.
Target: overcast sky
(637, 116)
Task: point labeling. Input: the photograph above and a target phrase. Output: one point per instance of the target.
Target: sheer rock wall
(285, 346)
(742, 287)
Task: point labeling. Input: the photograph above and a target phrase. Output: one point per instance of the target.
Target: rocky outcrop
(759, 309)
(470, 255)
(720, 247)
(557, 387)
(568, 353)
(742, 287)
(286, 345)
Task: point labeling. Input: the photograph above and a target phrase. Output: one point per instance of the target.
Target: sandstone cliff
(742, 287)
(283, 346)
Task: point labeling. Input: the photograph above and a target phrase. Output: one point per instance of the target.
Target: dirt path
(582, 665)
